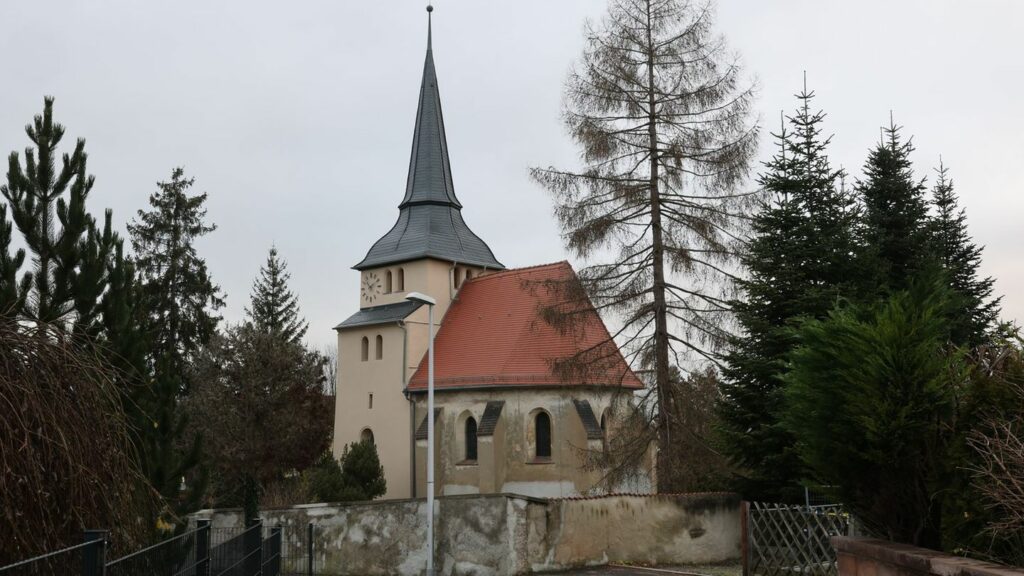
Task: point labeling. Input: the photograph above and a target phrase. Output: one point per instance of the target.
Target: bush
(358, 477)
(871, 399)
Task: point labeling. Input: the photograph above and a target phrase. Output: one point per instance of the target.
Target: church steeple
(430, 174)
(430, 223)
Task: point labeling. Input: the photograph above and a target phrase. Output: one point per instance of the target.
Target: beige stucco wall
(506, 461)
(404, 345)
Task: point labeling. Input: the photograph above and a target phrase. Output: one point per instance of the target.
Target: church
(504, 420)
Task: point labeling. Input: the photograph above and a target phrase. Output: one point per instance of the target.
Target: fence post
(94, 558)
(202, 548)
(745, 536)
(253, 545)
(309, 549)
(274, 561)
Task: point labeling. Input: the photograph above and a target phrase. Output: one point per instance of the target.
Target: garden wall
(510, 534)
(870, 557)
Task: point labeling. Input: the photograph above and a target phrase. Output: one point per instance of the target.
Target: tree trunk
(661, 370)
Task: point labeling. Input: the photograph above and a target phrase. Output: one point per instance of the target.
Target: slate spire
(430, 223)
(430, 174)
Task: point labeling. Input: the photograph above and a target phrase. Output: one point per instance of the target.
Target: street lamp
(430, 302)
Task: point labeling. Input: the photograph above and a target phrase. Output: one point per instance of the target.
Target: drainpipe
(412, 410)
(452, 289)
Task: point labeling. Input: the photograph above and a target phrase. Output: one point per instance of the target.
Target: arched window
(366, 349)
(401, 279)
(542, 435)
(469, 273)
(366, 435)
(387, 282)
(471, 439)
(455, 278)
(380, 347)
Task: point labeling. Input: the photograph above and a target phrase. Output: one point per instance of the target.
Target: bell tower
(430, 249)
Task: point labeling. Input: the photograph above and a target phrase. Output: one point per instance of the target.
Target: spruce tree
(960, 257)
(798, 265)
(179, 294)
(69, 251)
(274, 308)
(895, 230)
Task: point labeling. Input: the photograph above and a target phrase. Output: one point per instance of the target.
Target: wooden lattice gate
(783, 540)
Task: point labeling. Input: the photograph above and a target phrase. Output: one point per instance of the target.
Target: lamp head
(421, 298)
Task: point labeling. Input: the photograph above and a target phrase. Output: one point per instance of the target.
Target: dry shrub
(64, 448)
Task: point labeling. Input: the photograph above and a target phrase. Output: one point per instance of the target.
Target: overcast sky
(297, 117)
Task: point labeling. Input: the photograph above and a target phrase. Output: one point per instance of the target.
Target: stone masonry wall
(508, 534)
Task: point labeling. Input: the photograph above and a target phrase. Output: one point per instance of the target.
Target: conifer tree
(10, 292)
(69, 251)
(895, 230)
(798, 264)
(179, 294)
(951, 244)
(661, 113)
(274, 308)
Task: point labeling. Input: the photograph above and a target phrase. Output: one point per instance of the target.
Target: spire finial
(430, 9)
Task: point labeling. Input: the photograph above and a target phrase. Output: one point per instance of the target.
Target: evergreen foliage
(870, 398)
(799, 263)
(661, 113)
(179, 294)
(895, 232)
(258, 402)
(960, 257)
(69, 251)
(11, 294)
(274, 308)
(361, 472)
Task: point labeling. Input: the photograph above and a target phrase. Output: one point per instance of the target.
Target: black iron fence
(256, 550)
(202, 551)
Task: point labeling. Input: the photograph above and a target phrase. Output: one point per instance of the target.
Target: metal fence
(784, 540)
(203, 551)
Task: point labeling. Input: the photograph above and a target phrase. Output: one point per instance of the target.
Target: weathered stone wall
(509, 534)
(870, 557)
(654, 530)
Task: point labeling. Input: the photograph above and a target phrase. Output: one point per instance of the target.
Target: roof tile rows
(494, 335)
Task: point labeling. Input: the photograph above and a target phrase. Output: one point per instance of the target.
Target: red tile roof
(494, 335)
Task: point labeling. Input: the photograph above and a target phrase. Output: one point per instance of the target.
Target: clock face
(371, 287)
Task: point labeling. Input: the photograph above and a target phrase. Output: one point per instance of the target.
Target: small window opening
(366, 436)
(366, 349)
(380, 346)
(542, 433)
(471, 439)
(387, 282)
(371, 400)
(401, 279)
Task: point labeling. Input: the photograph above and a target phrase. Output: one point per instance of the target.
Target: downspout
(412, 410)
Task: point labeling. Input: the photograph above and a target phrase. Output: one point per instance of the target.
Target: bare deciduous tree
(662, 115)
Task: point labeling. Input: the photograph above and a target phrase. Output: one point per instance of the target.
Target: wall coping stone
(917, 559)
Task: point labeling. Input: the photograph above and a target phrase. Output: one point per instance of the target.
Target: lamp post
(430, 302)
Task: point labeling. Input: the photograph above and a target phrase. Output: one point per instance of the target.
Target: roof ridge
(514, 271)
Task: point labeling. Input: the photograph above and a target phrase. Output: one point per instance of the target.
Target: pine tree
(895, 220)
(274, 308)
(70, 253)
(661, 113)
(951, 244)
(798, 265)
(11, 299)
(179, 294)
